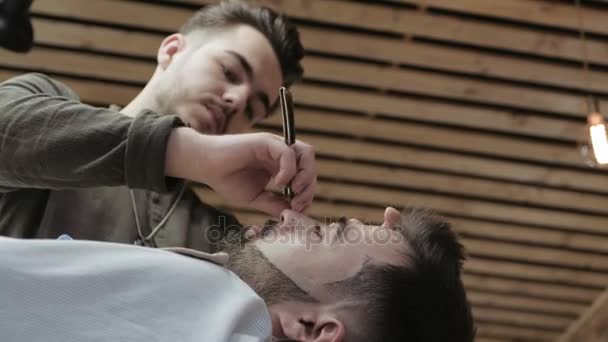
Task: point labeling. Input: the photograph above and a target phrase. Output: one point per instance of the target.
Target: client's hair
(422, 301)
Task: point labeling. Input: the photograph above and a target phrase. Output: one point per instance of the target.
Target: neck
(145, 100)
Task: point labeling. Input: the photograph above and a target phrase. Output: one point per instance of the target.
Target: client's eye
(317, 230)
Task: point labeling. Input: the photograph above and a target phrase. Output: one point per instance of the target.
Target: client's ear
(312, 326)
(327, 329)
(392, 218)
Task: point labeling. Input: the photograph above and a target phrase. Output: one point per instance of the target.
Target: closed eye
(229, 74)
(342, 223)
(317, 230)
(249, 113)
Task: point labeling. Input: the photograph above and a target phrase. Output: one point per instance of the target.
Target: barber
(126, 174)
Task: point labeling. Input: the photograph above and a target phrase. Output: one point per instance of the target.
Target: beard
(249, 264)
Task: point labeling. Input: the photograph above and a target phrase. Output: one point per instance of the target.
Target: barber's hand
(240, 166)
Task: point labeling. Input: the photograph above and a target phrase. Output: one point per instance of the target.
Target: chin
(199, 124)
(196, 118)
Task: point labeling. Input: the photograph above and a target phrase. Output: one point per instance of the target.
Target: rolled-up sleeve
(146, 141)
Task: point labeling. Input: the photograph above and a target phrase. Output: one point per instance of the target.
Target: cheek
(343, 263)
(200, 78)
(288, 250)
(321, 267)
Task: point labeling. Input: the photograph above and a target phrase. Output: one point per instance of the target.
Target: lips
(217, 118)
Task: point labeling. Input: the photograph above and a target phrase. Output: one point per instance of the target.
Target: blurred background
(475, 108)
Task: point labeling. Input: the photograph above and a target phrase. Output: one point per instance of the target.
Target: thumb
(270, 203)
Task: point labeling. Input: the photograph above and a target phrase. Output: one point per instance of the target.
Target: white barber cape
(63, 291)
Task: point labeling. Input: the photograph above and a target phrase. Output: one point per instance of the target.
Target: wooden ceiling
(471, 107)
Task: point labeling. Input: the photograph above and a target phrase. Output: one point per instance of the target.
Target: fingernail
(297, 206)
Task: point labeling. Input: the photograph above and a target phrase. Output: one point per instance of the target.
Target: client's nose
(290, 218)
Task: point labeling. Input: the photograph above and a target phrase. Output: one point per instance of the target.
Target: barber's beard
(171, 98)
(164, 92)
(261, 275)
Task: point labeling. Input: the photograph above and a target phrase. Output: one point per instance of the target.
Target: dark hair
(422, 301)
(282, 35)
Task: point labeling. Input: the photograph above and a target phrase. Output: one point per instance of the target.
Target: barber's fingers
(302, 201)
(307, 169)
(287, 167)
(296, 164)
(305, 182)
(278, 158)
(305, 209)
(270, 203)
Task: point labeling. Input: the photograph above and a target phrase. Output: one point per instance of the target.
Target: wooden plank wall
(471, 107)
(591, 325)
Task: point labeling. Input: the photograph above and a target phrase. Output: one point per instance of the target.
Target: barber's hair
(421, 301)
(282, 34)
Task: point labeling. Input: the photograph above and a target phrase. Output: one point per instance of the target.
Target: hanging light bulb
(598, 139)
(595, 148)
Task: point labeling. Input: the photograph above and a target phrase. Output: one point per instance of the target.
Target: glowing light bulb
(599, 140)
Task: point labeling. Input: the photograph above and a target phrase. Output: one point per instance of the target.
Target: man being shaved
(293, 280)
(350, 281)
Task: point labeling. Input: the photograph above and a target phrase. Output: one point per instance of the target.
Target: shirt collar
(220, 258)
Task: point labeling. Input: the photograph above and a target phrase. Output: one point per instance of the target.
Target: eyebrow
(249, 71)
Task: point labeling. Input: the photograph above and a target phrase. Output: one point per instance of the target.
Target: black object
(16, 32)
(289, 128)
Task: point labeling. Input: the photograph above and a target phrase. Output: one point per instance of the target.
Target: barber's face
(224, 85)
(315, 253)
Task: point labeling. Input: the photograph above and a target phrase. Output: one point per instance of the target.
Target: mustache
(268, 226)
